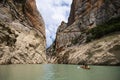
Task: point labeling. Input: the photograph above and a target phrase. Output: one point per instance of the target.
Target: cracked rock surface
(22, 33)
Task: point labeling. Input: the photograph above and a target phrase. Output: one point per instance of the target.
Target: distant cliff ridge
(22, 33)
(89, 20)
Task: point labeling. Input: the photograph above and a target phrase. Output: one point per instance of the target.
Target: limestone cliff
(22, 33)
(89, 20)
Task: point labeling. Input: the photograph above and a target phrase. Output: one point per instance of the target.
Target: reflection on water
(58, 72)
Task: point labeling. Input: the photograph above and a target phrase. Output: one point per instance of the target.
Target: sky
(53, 13)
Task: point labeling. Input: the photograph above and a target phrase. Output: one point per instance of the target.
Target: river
(58, 72)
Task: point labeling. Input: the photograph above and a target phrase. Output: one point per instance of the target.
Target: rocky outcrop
(93, 12)
(84, 16)
(104, 51)
(22, 33)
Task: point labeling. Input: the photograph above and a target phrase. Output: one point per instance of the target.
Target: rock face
(104, 51)
(92, 12)
(71, 37)
(22, 33)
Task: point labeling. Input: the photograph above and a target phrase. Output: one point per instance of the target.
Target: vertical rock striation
(84, 15)
(22, 33)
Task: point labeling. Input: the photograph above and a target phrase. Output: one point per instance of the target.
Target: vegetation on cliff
(99, 31)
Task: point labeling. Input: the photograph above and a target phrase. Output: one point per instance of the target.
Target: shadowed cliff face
(84, 16)
(26, 9)
(34, 17)
(81, 9)
(22, 33)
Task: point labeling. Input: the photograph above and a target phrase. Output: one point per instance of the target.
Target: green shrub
(99, 31)
(75, 41)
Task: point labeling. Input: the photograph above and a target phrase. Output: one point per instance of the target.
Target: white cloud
(53, 12)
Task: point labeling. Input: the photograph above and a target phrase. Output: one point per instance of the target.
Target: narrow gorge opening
(91, 35)
(53, 13)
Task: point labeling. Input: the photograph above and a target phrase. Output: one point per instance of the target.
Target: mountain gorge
(22, 33)
(91, 35)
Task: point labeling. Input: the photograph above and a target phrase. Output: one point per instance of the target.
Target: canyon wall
(71, 44)
(22, 33)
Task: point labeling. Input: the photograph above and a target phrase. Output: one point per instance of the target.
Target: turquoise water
(58, 72)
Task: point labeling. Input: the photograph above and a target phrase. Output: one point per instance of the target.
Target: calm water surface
(58, 72)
